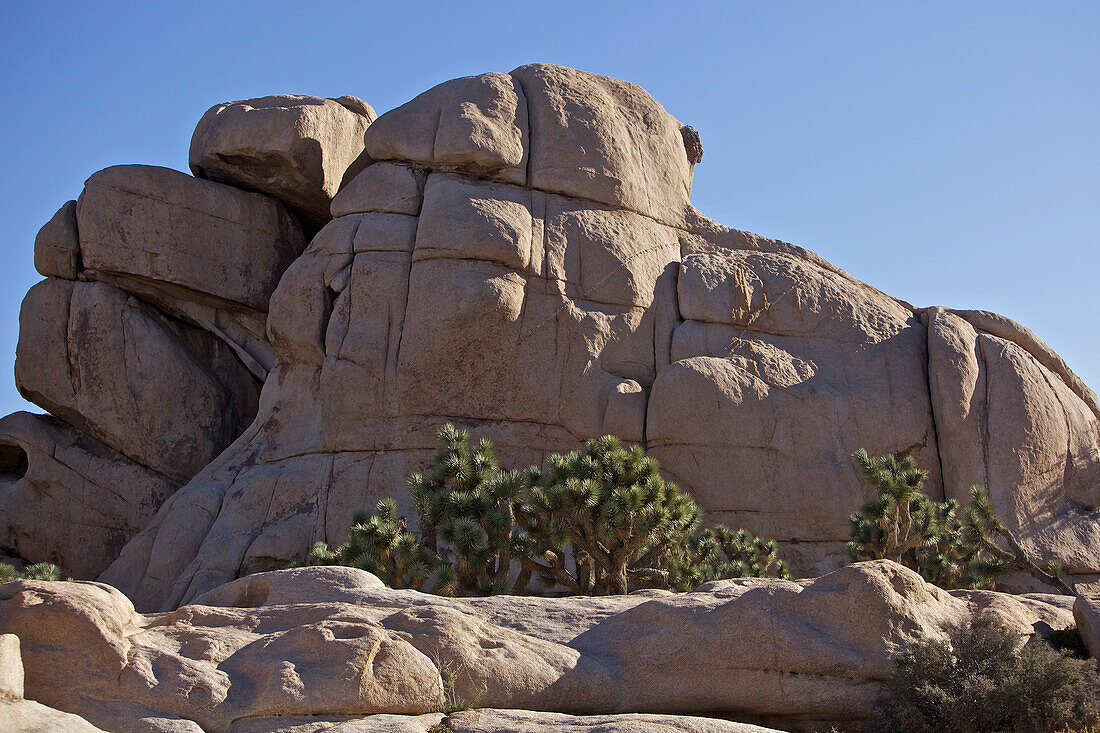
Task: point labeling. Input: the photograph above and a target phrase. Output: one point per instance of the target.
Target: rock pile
(515, 253)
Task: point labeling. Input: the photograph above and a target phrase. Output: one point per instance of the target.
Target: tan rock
(378, 723)
(162, 225)
(780, 372)
(383, 186)
(476, 125)
(57, 246)
(607, 140)
(329, 642)
(517, 253)
(109, 365)
(68, 499)
(528, 721)
(11, 668)
(1086, 612)
(28, 716)
(296, 148)
(1021, 431)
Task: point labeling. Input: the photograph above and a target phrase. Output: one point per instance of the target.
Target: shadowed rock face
(519, 256)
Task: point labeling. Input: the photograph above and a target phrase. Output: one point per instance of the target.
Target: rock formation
(329, 645)
(515, 253)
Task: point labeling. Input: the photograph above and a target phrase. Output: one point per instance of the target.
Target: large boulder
(296, 148)
(57, 246)
(332, 642)
(211, 239)
(522, 258)
(161, 392)
(1086, 611)
(68, 499)
(1021, 425)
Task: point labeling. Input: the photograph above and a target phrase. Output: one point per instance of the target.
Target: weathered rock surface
(18, 715)
(158, 224)
(1086, 612)
(57, 246)
(1019, 429)
(333, 642)
(69, 499)
(165, 394)
(296, 148)
(516, 253)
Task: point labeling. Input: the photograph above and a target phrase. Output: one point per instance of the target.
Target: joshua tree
(902, 524)
(981, 528)
(381, 544)
(466, 505)
(609, 507)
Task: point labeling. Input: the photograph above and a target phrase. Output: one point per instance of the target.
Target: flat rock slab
(332, 641)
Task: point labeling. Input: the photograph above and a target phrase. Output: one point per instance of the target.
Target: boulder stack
(515, 253)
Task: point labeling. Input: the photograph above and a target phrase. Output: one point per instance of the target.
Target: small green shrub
(38, 571)
(381, 544)
(981, 681)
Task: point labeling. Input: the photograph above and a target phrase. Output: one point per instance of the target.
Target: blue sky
(947, 153)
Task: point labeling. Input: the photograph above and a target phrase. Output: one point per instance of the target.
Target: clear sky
(947, 153)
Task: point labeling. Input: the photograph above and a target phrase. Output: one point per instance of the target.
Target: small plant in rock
(38, 571)
(980, 680)
(602, 520)
(380, 543)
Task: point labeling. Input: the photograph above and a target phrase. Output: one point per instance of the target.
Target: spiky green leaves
(902, 524)
(38, 571)
(606, 512)
(596, 521)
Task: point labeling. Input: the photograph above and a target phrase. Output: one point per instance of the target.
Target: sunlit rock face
(517, 254)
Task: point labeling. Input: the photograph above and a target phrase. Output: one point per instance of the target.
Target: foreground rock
(19, 715)
(335, 642)
(1086, 611)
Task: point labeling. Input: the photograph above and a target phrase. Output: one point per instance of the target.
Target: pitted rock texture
(334, 642)
(515, 253)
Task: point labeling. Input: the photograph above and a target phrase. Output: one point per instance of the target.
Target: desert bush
(595, 521)
(467, 506)
(380, 543)
(38, 571)
(609, 508)
(719, 553)
(980, 680)
(901, 523)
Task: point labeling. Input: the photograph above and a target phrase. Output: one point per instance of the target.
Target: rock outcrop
(516, 253)
(328, 642)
